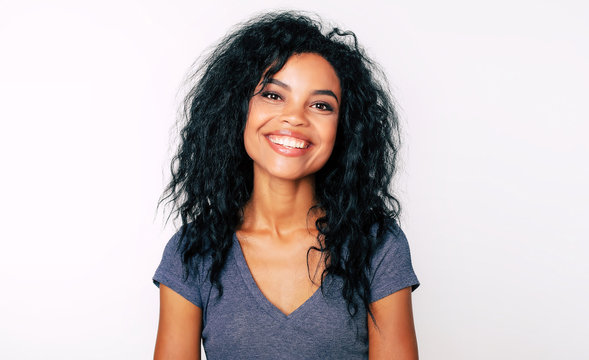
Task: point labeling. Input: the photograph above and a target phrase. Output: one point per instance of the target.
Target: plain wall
(493, 173)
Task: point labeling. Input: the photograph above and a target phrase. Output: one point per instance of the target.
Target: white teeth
(288, 141)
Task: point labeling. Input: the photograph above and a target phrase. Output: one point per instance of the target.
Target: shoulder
(189, 246)
(184, 275)
(391, 268)
(389, 237)
(175, 250)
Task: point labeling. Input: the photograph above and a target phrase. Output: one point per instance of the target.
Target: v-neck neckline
(262, 300)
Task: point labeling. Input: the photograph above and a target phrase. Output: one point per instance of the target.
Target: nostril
(294, 120)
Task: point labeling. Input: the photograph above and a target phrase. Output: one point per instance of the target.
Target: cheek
(257, 117)
(252, 138)
(249, 131)
(329, 134)
(249, 138)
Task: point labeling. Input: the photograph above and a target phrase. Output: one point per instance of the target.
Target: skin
(277, 232)
(394, 338)
(179, 330)
(303, 97)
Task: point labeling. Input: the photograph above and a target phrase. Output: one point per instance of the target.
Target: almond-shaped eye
(271, 95)
(323, 106)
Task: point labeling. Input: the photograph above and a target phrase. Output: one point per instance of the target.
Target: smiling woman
(295, 115)
(289, 246)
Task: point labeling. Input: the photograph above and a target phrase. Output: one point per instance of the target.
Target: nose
(294, 115)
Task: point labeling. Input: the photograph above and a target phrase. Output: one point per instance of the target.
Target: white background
(494, 172)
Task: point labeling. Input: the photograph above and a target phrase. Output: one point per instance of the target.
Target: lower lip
(286, 151)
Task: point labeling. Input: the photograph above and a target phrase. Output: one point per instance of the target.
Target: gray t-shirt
(243, 324)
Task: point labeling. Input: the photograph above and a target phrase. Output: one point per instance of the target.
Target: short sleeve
(391, 266)
(170, 272)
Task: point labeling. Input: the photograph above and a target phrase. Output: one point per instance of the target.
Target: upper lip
(293, 134)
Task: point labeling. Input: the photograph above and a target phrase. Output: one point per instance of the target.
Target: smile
(288, 145)
(288, 142)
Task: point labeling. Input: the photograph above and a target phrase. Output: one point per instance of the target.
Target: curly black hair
(212, 175)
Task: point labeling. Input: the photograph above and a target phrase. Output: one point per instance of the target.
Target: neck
(280, 206)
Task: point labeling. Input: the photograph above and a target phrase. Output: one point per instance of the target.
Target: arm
(395, 336)
(180, 325)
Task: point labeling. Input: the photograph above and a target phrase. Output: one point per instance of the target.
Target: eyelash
(326, 106)
(271, 95)
(274, 96)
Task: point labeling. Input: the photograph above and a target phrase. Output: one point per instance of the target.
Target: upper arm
(180, 326)
(393, 336)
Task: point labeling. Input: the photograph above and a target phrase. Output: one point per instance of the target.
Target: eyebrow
(316, 92)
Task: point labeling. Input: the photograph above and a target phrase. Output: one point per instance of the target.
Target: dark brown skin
(277, 231)
(179, 331)
(395, 337)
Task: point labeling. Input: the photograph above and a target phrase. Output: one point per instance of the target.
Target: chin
(290, 175)
(285, 172)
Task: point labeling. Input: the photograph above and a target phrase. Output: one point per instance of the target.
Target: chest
(243, 321)
(287, 276)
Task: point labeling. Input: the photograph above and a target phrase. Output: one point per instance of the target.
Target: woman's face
(292, 123)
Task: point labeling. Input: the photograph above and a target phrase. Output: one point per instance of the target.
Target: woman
(290, 247)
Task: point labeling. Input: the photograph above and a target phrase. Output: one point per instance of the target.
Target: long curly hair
(212, 175)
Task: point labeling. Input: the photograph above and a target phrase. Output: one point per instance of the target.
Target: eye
(323, 106)
(271, 95)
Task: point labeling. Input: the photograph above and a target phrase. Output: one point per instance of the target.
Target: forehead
(309, 71)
